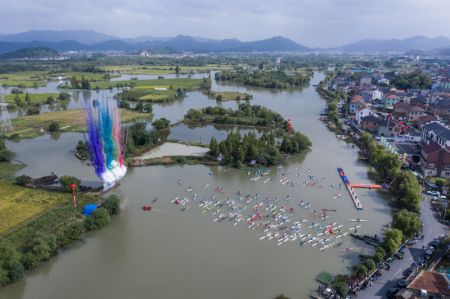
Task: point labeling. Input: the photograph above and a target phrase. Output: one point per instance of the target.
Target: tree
(139, 107)
(27, 98)
(74, 82)
(82, 149)
(53, 127)
(33, 111)
(440, 183)
(161, 123)
(99, 219)
(5, 154)
(112, 204)
(213, 147)
(407, 190)
(177, 69)
(393, 238)
(66, 180)
(50, 100)
(370, 264)
(148, 108)
(408, 222)
(378, 257)
(340, 284)
(64, 96)
(219, 97)
(18, 101)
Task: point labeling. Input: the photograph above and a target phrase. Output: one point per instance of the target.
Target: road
(432, 228)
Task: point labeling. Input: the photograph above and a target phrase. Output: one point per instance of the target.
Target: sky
(313, 23)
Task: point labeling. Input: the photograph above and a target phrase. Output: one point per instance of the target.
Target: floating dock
(355, 198)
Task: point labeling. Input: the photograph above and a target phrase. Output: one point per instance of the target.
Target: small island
(223, 96)
(265, 78)
(245, 115)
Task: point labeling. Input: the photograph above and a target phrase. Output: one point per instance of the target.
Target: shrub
(23, 180)
(112, 204)
(10, 263)
(69, 233)
(33, 111)
(98, 219)
(53, 127)
(161, 123)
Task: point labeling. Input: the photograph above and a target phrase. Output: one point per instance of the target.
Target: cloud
(310, 22)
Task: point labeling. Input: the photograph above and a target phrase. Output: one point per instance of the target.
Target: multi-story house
(435, 153)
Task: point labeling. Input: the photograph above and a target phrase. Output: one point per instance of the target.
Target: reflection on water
(204, 133)
(169, 254)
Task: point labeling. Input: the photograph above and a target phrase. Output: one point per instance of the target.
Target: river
(171, 254)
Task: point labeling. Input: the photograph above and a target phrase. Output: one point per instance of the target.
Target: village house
(390, 100)
(369, 123)
(362, 112)
(441, 109)
(431, 285)
(365, 81)
(435, 154)
(377, 94)
(356, 103)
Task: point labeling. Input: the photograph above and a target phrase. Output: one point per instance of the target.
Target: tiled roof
(439, 129)
(370, 118)
(431, 282)
(431, 148)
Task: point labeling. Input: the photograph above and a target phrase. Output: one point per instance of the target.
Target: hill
(31, 53)
(180, 43)
(398, 45)
(87, 37)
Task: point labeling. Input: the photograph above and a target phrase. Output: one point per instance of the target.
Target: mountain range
(86, 40)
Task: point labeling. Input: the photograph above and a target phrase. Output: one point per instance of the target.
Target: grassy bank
(35, 224)
(35, 98)
(24, 79)
(7, 169)
(69, 121)
(19, 205)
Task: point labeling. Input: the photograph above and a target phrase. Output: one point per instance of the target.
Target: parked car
(402, 283)
(408, 272)
(435, 243)
(392, 292)
(434, 193)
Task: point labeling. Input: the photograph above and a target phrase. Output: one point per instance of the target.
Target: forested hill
(31, 53)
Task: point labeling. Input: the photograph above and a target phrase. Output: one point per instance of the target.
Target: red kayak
(147, 208)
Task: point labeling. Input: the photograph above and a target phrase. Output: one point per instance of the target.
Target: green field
(161, 69)
(69, 121)
(24, 79)
(36, 98)
(19, 205)
(185, 83)
(92, 77)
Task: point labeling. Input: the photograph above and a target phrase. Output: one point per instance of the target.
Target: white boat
(358, 220)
